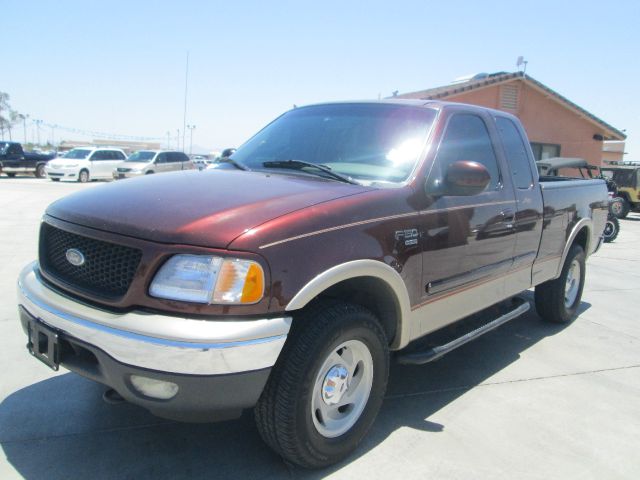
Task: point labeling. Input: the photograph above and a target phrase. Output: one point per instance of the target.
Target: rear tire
(326, 387)
(558, 300)
(83, 176)
(55, 179)
(10, 174)
(611, 229)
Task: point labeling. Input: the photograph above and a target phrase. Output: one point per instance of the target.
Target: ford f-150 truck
(336, 235)
(13, 160)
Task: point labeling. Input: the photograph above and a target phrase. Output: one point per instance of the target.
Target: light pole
(168, 140)
(191, 129)
(178, 139)
(24, 117)
(184, 117)
(53, 135)
(38, 123)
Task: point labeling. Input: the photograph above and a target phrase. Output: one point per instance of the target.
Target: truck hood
(208, 208)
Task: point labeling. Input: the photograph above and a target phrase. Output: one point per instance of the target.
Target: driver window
(466, 138)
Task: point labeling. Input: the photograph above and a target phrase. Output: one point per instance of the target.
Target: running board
(433, 353)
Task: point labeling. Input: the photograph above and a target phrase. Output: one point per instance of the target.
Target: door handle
(508, 218)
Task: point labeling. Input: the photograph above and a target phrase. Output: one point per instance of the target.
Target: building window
(545, 150)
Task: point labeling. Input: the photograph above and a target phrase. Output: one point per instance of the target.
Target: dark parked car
(13, 160)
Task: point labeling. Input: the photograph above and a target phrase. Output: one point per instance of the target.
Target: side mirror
(466, 178)
(227, 152)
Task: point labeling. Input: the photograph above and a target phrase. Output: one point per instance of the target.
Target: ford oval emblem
(75, 257)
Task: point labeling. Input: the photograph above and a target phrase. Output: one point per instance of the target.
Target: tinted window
(180, 157)
(14, 149)
(516, 152)
(76, 153)
(466, 138)
(98, 155)
(162, 158)
(141, 156)
(118, 155)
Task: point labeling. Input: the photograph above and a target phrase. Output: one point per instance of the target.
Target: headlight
(209, 279)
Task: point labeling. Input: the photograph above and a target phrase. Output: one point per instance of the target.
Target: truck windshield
(141, 156)
(369, 143)
(77, 153)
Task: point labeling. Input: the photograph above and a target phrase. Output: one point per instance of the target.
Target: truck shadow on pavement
(60, 428)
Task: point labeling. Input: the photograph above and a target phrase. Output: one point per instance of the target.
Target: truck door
(529, 206)
(467, 240)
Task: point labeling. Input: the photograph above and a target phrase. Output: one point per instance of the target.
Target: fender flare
(355, 269)
(583, 223)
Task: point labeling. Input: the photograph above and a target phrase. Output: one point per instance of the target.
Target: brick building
(556, 126)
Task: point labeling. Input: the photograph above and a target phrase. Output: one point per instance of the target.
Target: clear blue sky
(118, 66)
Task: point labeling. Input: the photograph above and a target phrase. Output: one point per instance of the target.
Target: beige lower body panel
(456, 305)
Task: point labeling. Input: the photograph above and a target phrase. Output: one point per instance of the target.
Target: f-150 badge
(409, 236)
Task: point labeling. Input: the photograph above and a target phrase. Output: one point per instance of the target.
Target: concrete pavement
(527, 401)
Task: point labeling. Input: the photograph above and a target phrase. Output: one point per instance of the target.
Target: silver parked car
(144, 162)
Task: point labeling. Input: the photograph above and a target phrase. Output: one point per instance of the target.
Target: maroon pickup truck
(337, 234)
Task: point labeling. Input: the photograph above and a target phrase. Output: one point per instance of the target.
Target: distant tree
(8, 116)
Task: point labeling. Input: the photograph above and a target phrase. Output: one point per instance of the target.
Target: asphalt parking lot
(526, 401)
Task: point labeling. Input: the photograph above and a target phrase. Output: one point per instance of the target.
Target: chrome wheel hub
(572, 285)
(335, 384)
(342, 388)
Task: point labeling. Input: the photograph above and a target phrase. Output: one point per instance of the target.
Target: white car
(85, 163)
(144, 162)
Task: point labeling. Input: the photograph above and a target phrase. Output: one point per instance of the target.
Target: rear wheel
(558, 300)
(327, 386)
(611, 229)
(39, 173)
(83, 176)
(55, 179)
(10, 174)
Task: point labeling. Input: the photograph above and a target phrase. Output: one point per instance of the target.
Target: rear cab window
(516, 153)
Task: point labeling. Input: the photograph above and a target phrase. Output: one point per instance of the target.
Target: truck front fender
(359, 269)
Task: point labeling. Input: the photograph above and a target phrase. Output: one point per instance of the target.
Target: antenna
(521, 61)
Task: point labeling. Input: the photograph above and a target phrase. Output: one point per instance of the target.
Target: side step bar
(434, 353)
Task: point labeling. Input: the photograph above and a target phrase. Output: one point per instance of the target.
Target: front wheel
(83, 176)
(611, 229)
(558, 300)
(39, 173)
(10, 174)
(327, 386)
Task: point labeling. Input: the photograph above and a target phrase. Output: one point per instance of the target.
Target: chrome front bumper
(158, 342)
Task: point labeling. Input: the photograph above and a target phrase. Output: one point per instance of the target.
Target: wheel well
(375, 295)
(582, 239)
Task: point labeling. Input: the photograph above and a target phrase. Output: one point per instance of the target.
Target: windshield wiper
(300, 164)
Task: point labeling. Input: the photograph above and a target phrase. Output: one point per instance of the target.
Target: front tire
(558, 300)
(10, 174)
(83, 176)
(327, 386)
(624, 210)
(40, 173)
